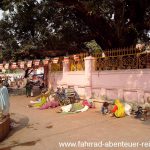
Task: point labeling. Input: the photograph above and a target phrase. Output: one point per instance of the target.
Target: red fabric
(86, 103)
(114, 109)
(50, 104)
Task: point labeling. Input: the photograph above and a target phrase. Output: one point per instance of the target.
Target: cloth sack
(128, 109)
(66, 108)
(87, 103)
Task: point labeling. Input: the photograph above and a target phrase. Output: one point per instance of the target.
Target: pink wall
(55, 79)
(130, 85)
(128, 79)
(74, 78)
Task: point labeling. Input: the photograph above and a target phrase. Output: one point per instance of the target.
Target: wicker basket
(4, 127)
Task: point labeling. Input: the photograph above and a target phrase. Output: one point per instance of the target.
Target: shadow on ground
(18, 122)
(15, 144)
(147, 122)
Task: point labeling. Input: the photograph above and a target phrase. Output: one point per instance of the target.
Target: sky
(1, 14)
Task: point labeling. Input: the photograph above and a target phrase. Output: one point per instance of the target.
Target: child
(104, 108)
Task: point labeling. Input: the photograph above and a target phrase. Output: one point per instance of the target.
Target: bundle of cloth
(81, 106)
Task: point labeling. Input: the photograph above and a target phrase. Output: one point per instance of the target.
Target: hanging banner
(14, 65)
(29, 63)
(66, 59)
(45, 61)
(6, 66)
(103, 55)
(55, 60)
(1, 66)
(76, 57)
(21, 64)
(36, 62)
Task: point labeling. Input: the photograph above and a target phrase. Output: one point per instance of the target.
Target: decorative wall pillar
(89, 68)
(66, 64)
(49, 76)
(120, 94)
(46, 71)
(140, 96)
(103, 94)
(46, 74)
(66, 68)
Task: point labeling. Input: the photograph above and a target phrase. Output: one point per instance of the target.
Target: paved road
(45, 129)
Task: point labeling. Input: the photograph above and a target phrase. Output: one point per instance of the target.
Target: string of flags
(23, 64)
(30, 63)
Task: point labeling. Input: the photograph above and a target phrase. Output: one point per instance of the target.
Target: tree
(93, 47)
(67, 24)
(114, 23)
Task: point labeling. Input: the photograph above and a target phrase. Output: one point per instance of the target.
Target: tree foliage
(67, 24)
(93, 47)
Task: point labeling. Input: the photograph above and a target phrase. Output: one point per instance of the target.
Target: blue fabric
(4, 100)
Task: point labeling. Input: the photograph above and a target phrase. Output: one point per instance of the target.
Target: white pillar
(66, 65)
(89, 68)
(140, 96)
(49, 76)
(66, 69)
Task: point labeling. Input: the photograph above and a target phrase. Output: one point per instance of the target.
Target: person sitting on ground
(139, 112)
(146, 110)
(104, 108)
(40, 100)
(52, 102)
(118, 109)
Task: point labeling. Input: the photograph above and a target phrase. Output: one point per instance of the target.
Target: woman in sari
(118, 109)
(4, 99)
(40, 100)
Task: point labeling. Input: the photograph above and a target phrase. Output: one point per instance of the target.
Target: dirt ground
(45, 129)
